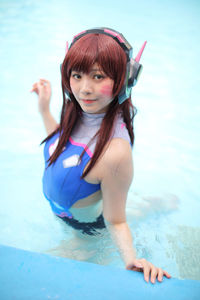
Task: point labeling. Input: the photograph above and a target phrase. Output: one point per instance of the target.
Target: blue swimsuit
(62, 183)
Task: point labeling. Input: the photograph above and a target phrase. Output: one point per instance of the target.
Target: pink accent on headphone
(137, 59)
(78, 34)
(67, 47)
(114, 34)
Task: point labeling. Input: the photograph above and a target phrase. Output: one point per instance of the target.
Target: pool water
(164, 200)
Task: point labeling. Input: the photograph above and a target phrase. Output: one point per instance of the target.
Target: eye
(76, 75)
(99, 76)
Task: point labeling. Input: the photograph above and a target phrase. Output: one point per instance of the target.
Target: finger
(154, 272)
(138, 265)
(41, 84)
(160, 274)
(34, 88)
(34, 85)
(44, 81)
(165, 273)
(146, 270)
(137, 269)
(135, 266)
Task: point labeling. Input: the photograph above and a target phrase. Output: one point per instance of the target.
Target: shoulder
(116, 180)
(117, 160)
(120, 130)
(118, 149)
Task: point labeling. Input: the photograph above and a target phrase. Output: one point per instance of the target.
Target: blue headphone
(133, 67)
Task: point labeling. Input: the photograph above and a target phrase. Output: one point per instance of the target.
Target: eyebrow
(92, 70)
(95, 70)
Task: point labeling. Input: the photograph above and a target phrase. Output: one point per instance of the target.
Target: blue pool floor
(29, 275)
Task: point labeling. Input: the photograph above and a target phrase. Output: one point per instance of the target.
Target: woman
(88, 155)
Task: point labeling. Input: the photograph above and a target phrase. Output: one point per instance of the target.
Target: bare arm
(50, 123)
(43, 90)
(115, 182)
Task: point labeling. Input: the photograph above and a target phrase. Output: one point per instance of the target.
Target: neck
(92, 119)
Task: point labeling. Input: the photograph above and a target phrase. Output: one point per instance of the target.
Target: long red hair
(84, 53)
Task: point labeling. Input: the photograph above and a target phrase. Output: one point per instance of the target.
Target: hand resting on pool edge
(142, 265)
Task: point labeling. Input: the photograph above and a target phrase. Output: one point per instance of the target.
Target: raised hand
(43, 89)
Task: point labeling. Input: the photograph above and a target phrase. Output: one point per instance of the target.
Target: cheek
(71, 84)
(106, 90)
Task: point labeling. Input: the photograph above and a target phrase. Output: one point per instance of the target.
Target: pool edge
(31, 275)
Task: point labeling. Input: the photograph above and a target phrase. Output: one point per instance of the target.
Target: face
(93, 90)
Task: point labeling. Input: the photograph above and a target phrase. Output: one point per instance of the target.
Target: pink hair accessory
(137, 59)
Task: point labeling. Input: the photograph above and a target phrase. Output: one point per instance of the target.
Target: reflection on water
(147, 205)
(184, 242)
(93, 249)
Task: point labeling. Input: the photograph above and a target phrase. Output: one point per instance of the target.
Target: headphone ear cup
(135, 71)
(67, 94)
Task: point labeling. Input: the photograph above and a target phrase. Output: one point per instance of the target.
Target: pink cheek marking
(106, 90)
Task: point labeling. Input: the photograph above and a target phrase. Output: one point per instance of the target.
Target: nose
(86, 86)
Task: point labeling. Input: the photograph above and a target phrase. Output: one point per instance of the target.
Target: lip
(88, 101)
